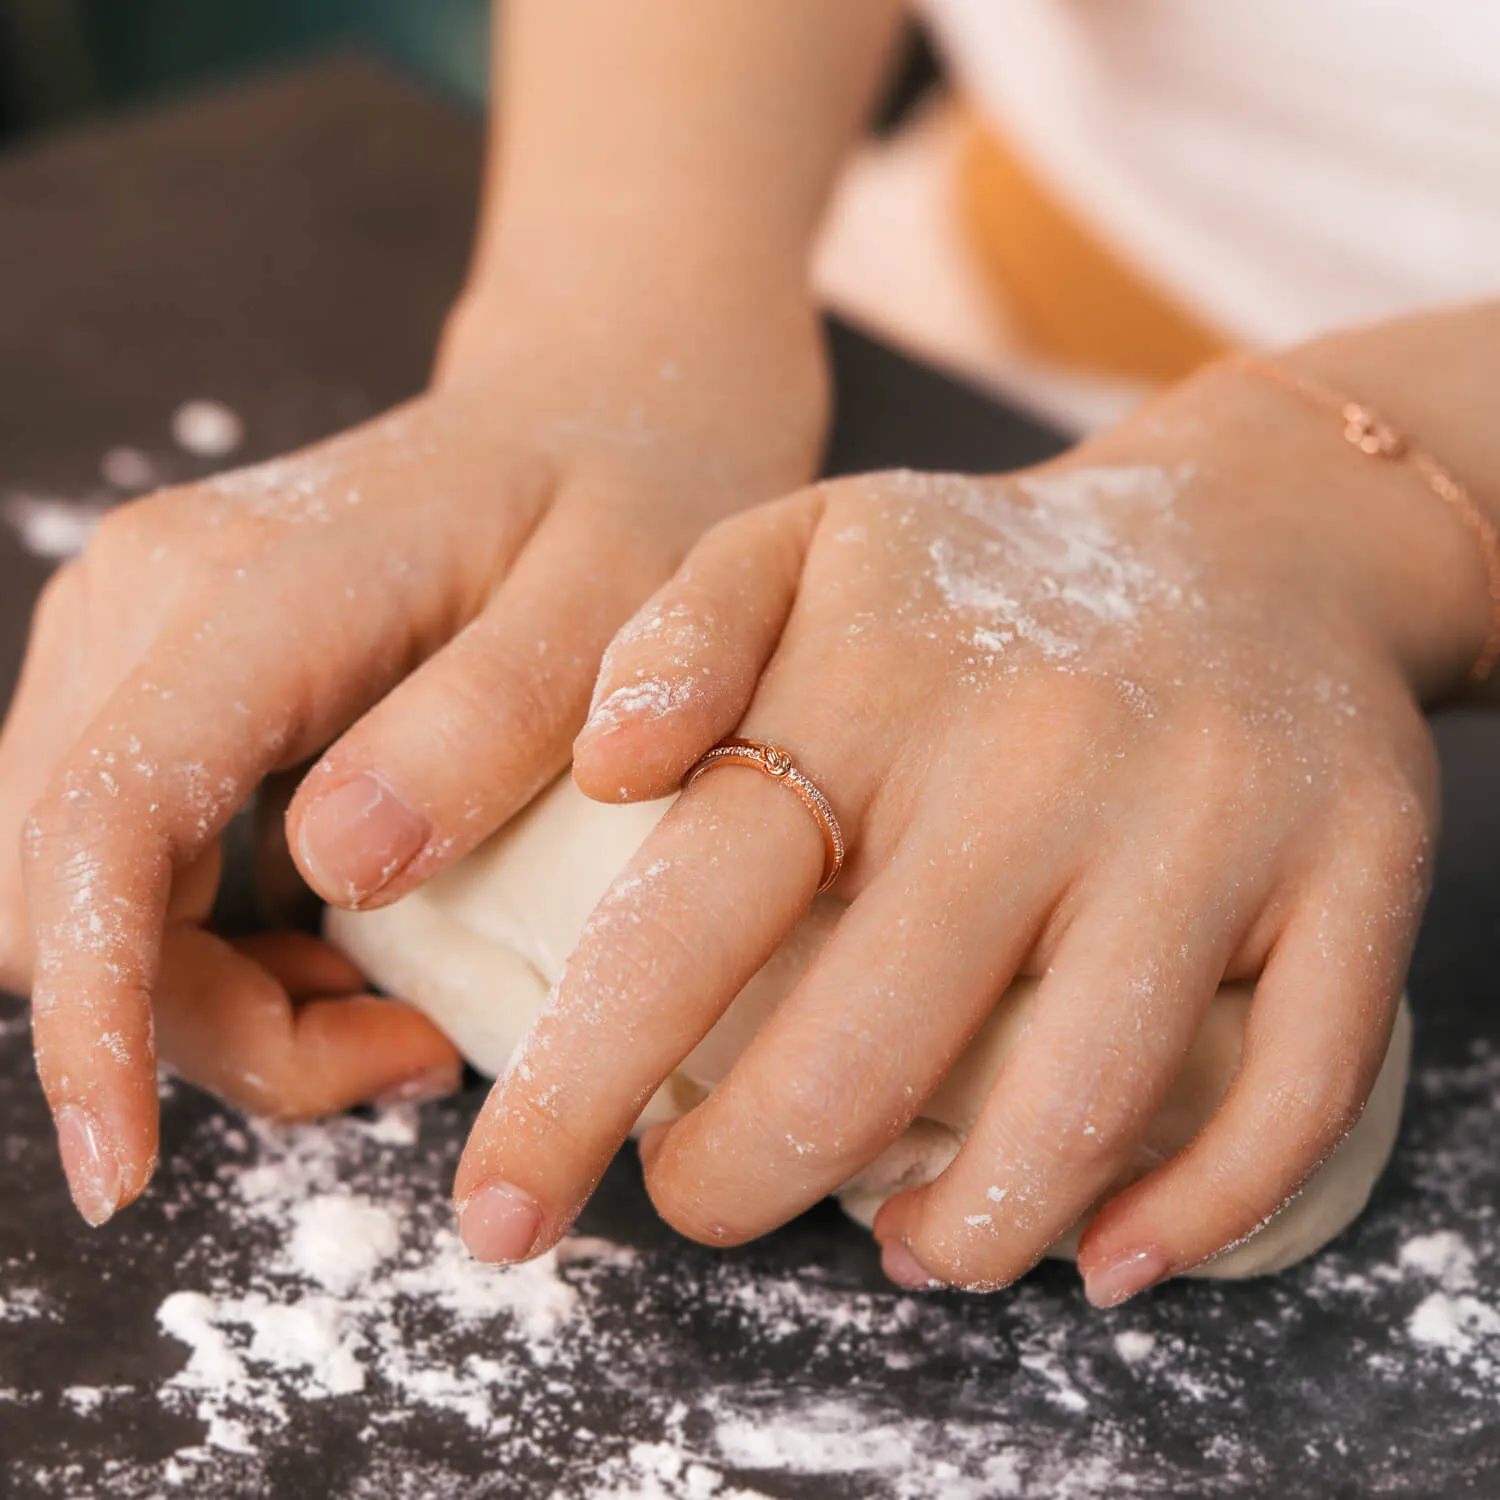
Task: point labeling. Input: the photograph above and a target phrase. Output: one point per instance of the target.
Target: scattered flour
(649, 698)
(87, 1399)
(21, 1304)
(1045, 564)
(338, 1240)
(325, 1301)
(50, 527)
(207, 429)
(1442, 1256)
(313, 1295)
(1134, 1345)
(127, 469)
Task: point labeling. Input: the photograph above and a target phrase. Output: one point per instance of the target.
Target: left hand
(1138, 722)
(421, 604)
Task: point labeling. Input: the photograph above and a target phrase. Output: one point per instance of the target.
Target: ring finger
(1111, 1025)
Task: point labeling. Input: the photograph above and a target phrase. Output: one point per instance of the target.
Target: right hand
(429, 595)
(1136, 723)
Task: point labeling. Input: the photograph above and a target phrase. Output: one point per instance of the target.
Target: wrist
(735, 386)
(1363, 541)
(637, 246)
(1433, 376)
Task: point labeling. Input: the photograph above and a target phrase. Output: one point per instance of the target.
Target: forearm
(672, 141)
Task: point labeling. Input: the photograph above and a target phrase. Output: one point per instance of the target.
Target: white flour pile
(362, 1291)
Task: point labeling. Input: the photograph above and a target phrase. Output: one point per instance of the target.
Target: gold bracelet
(1366, 430)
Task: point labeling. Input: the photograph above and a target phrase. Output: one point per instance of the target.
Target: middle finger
(851, 1055)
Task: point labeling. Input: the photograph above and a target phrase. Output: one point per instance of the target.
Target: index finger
(700, 909)
(150, 784)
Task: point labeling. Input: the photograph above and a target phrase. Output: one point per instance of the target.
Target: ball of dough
(479, 947)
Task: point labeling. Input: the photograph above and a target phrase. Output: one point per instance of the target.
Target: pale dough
(479, 947)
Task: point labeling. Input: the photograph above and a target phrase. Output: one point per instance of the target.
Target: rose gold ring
(774, 762)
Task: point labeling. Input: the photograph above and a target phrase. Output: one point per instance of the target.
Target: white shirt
(1280, 166)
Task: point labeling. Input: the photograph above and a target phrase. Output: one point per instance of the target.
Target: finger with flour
(284, 1026)
(396, 798)
(138, 801)
(681, 673)
(848, 1059)
(1316, 1038)
(702, 906)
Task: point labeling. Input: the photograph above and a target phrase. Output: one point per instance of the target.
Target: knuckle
(1080, 1129)
(50, 823)
(808, 1115)
(697, 1182)
(687, 1205)
(1388, 831)
(1231, 1207)
(1221, 751)
(487, 689)
(129, 533)
(538, 1109)
(1318, 1109)
(630, 950)
(284, 1101)
(970, 1256)
(1256, 1175)
(1062, 720)
(1398, 816)
(289, 1086)
(70, 822)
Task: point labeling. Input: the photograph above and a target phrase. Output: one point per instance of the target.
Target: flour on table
(127, 469)
(207, 429)
(50, 527)
(413, 1349)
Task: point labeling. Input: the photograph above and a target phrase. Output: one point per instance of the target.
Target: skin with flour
(1237, 783)
(446, 576)
(479, 948)
(1050, 710)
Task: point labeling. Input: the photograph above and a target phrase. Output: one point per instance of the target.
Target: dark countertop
(289, 249)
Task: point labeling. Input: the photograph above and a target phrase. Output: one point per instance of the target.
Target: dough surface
(479, 947)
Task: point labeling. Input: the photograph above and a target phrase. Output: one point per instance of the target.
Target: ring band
(774, 762)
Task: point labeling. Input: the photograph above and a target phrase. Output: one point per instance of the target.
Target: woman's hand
(430, 595)
(1137, 722)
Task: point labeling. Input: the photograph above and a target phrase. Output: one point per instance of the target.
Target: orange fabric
(1071, 299)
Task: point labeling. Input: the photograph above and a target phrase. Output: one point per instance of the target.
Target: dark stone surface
(289, 249)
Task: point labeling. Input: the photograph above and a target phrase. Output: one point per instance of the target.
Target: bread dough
(479, 947)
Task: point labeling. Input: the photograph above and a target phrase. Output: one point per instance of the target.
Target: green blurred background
(62, 59)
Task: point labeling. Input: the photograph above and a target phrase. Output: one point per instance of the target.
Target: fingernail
(354, 838)
(902, 1267)
(498, 1223)
(431, 1083)
(650, 1142)
(1119, 1280)
(92, 1168)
